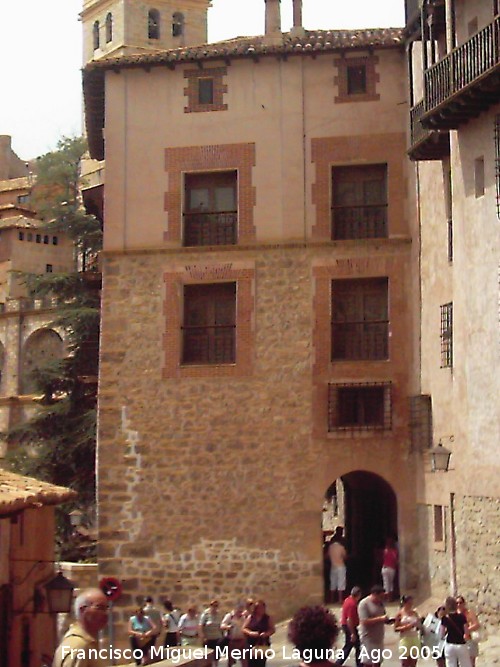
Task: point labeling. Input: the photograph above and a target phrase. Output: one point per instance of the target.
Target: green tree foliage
(58, 443)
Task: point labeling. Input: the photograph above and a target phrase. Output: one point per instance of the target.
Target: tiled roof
(19, 222)
(22, 183)
(308, 42)
(18, 492)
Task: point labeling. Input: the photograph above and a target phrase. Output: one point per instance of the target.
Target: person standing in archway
(389, 567)
(338, 571)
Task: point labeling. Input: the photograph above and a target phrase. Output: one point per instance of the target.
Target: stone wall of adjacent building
(477, 521)
(213, 484)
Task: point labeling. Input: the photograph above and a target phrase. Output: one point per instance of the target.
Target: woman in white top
(407, 623)
(232, 626)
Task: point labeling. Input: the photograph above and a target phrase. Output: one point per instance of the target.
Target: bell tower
(119, 27)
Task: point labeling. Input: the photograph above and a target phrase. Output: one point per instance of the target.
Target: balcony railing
(209, 228)
(359, 222)
(209, 345)
(356, 341)
(462, 69)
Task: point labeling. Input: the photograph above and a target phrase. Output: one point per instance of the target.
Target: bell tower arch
(124, 27)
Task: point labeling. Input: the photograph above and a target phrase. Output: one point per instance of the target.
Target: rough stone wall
(434, 560)
(214, 485)
(477, 521)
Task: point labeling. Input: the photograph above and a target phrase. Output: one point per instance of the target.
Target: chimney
(273, 17)
(297, 13)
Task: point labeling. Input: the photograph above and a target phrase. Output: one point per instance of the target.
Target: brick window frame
(353, 150)
(191, 91)
(367, 398)
(225, 157)
(241, 273)
(369, 63)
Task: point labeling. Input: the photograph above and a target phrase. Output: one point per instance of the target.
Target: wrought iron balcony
(209, 228)
(356, 341)
(465, 82)
(359, 222)
(426, 144)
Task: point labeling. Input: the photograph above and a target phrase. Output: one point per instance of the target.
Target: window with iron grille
(209, 329)
(360, 321)
(356, 79)
(447, 335)
(497, 161)
(359, 407)
(359, 202)
(210, 209)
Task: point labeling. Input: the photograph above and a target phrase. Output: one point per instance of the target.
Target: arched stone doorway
(366, 505)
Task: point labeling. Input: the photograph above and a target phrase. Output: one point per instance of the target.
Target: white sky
(40, 55)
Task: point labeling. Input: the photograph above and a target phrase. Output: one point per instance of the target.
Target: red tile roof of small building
(304, 42)
(18, 493)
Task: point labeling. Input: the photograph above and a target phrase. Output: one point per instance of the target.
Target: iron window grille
(360, 323)
(447, 335)
(209, 328)
(153, 24)
(359, 202)
(210, 213)
(497, 161)
(356, 79)
(421, 422)
(360, 407)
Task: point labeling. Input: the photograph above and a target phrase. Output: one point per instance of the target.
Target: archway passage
(369, 515)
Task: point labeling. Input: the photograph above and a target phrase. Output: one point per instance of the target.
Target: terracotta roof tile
(18, 492)
(307, 42)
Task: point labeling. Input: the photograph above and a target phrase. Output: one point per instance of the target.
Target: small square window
(55, 240)
(356, 79)
(48, 268)
(205, 91)
(479, 176)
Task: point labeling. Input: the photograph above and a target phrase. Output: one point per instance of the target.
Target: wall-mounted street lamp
(58, 591)
(440, 456)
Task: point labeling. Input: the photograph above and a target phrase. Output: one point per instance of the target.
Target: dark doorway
(369, 517)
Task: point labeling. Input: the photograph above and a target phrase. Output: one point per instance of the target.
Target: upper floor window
(205, 90)
(360, 322)
(23, 199)
(210, 208)
(95, 35)
(177, 24)
(356, 79)
(46, 239)
(359, 202)
(21, 236)
(209, 328)
(353, 407)
(446, 335)
(154, 24)
(55, 240)
(109, 28)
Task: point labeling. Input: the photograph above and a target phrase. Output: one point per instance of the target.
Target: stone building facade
(28, 337)
(276, 206)
(455, 143)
